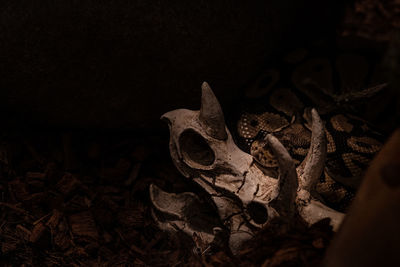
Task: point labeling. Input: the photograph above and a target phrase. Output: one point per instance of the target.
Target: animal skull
(245, 198)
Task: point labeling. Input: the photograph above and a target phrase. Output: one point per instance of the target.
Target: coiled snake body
(279, 103)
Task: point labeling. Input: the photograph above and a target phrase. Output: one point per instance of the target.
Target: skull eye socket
(195, 148)
(257, 212)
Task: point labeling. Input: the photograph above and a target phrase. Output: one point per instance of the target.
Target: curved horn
(313, 164)
(211, 116)
(287, 180)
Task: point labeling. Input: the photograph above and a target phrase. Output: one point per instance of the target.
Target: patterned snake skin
(279, 103)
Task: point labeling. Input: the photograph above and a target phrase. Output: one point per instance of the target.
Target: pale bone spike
(287, 179)
(211, 116)
(314, 162)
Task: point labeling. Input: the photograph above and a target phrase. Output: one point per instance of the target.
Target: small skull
(245, 197)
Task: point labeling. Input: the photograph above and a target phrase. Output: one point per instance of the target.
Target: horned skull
(245, 197)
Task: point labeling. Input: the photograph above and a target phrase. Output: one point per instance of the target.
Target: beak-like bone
(184, 212)
(170, 203)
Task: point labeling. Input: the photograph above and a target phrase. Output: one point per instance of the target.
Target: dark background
(122, 64)
(84, 83)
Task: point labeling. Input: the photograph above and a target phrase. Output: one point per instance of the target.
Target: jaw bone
(202, 149)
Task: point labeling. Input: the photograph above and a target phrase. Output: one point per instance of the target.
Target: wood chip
(23, 232)
(8, 246)
(37, 232)
(35, 175)
(62, 240)
(67, 184)
(19, 190)
(15, 208)
(133, 174)
(83, 224)
(54, 219)
(131, 217)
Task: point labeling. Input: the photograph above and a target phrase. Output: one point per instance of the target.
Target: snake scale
(279, 102)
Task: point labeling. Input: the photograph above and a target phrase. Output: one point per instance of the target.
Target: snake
(279, 102)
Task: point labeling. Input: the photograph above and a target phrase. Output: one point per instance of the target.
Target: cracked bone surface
(245, 198)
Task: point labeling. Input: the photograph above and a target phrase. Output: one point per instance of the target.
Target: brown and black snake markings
(279, 103)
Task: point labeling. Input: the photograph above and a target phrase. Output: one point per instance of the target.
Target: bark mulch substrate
(78, 199)
(377, 20)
